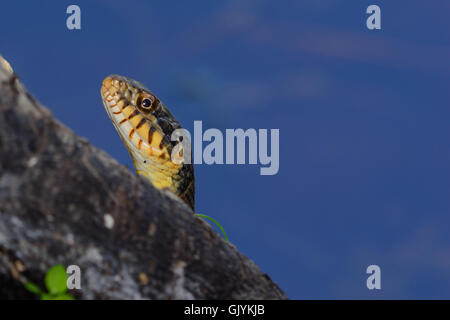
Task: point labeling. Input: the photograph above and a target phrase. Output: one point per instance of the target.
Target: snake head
(145, 126)
(140, 118)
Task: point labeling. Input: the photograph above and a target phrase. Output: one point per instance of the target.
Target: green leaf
(56, 280)
(46, 296)
(64, 296)
(33, 288)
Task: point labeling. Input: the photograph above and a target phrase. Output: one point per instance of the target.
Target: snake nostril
(107, 82)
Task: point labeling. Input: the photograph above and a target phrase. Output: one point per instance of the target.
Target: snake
(145, 126)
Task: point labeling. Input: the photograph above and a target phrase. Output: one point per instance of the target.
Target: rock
(63, 201)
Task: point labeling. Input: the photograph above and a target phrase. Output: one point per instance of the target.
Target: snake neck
(178, 178)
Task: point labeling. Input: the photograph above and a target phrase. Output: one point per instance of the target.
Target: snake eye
(146, 103)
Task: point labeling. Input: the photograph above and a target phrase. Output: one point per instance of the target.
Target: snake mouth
(137, 125)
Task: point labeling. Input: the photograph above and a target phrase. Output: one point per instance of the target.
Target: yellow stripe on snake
(145, 126)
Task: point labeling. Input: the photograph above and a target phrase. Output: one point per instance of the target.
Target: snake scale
(145, 126)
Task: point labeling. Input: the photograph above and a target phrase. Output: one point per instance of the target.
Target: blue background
(363, 116)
